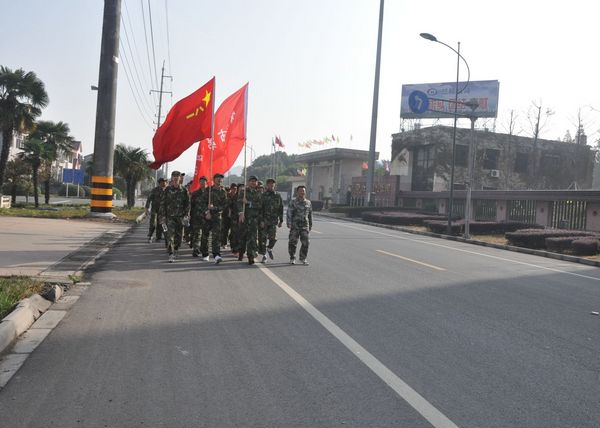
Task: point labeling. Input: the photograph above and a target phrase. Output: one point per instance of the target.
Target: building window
(550, 163)
(521, 162)
(425, 157)
(462, 155)
(490, 158)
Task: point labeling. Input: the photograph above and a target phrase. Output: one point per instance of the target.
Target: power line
(147, 47)
(133, 92)
(127, 66)
(147, 83)
(168, 39)
(131, 61)
(152, 39)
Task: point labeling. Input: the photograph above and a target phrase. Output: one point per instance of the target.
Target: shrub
(536, 238)
(399, 218)
(560, 244)
(585, 246)
(441, 227)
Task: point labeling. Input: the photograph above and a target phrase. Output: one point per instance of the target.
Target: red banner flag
(278, 141)
(229, 139)
(188, 121)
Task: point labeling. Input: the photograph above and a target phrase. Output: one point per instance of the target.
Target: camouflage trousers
(154, 226)
(196, 237)
(225, 230)
(211, 227)
(250, 243)
(174, 233)
(267, 232)
(295, 234)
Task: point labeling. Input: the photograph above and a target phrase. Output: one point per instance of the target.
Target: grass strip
(15, 288)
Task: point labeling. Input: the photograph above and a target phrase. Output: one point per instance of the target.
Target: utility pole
(371, 163)
(104, 139)
(160, 93)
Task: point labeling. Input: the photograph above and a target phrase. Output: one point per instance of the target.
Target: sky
(310, 64)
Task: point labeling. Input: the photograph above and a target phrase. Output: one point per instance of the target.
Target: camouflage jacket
(254, 206)
(272, 207)
(299, 214)
(228, 209)
(175, 202)
(154, 199)
(218, 198)
(199, 206)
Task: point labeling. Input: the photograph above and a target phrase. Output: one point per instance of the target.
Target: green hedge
(586, 246)
(536, 238)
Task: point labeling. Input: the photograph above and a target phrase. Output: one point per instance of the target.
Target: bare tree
(537, 120)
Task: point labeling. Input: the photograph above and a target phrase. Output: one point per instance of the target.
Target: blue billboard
(74, 176)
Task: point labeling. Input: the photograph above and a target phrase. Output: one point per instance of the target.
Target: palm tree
(56, 137)
(22, 97)
(17, 173)
(131, 164)
(34, 153)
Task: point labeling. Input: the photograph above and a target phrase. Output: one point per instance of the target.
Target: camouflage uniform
(218, 198)
(272, 216)
(226, 220)
(299, 219)
(174, 205)
(199, 206)
(253, 213)
(237, 229)
(153, 203)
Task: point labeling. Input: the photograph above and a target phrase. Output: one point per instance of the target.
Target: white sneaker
(171, 258)
(293, 260)
(205, 258)
(150, 240)
(270, 253)
(264, 259)
(304, 262)
(218, 259)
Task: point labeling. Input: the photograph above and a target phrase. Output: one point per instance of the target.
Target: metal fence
(484, 210)
(568, 214)
(522, 211)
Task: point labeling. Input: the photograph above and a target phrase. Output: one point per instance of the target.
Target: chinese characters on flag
(228, 141)
(188, 121)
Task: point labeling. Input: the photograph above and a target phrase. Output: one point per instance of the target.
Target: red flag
(229, 139)
(188, 121)
(278, 141)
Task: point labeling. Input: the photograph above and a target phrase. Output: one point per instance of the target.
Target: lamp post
(432, 38)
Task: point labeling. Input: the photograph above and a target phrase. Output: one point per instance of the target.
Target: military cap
(240, 184)
(253, 177)
(203, 178)
(161, 180)
(218, 175)
(233, 185)
(260, 183)
(270, 180)
(176, 174)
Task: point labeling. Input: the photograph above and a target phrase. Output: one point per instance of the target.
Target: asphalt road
(383, 329)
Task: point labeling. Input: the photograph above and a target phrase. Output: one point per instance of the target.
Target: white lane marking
(410, 260)
(182, 351)
(59, 202)
(412, 397)
(316, 231)
(470, 252)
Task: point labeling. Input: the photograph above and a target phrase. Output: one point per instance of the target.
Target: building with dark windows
(423, 158)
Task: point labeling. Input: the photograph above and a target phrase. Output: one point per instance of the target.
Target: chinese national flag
(188, 121)
(229, 138)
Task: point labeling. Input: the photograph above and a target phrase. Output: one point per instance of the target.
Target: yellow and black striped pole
(102, 194)
(102, 178)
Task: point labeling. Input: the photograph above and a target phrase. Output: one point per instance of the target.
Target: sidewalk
(37, 246)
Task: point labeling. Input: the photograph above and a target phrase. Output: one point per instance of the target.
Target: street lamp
(432, 38)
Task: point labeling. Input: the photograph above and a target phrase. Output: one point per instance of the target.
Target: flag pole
(211, 140)
(245, 151)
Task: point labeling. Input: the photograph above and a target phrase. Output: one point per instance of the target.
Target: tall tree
(18, 173)
(131, 164)
(58, 141)
(22, 97)
(34, 153)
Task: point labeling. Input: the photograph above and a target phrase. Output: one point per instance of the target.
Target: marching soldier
(212, 219)
(199, 206)
(153, 203)
(238, 230)
(226, 226)
(299, 221)
(173, 213)
(272, 219)
(250, 213)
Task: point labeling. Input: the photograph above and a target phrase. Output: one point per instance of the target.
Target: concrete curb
(18, 321)
(547, 254)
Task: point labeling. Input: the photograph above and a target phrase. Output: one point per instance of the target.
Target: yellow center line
(410, 260)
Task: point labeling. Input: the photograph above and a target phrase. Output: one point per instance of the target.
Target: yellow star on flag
(206, 98)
